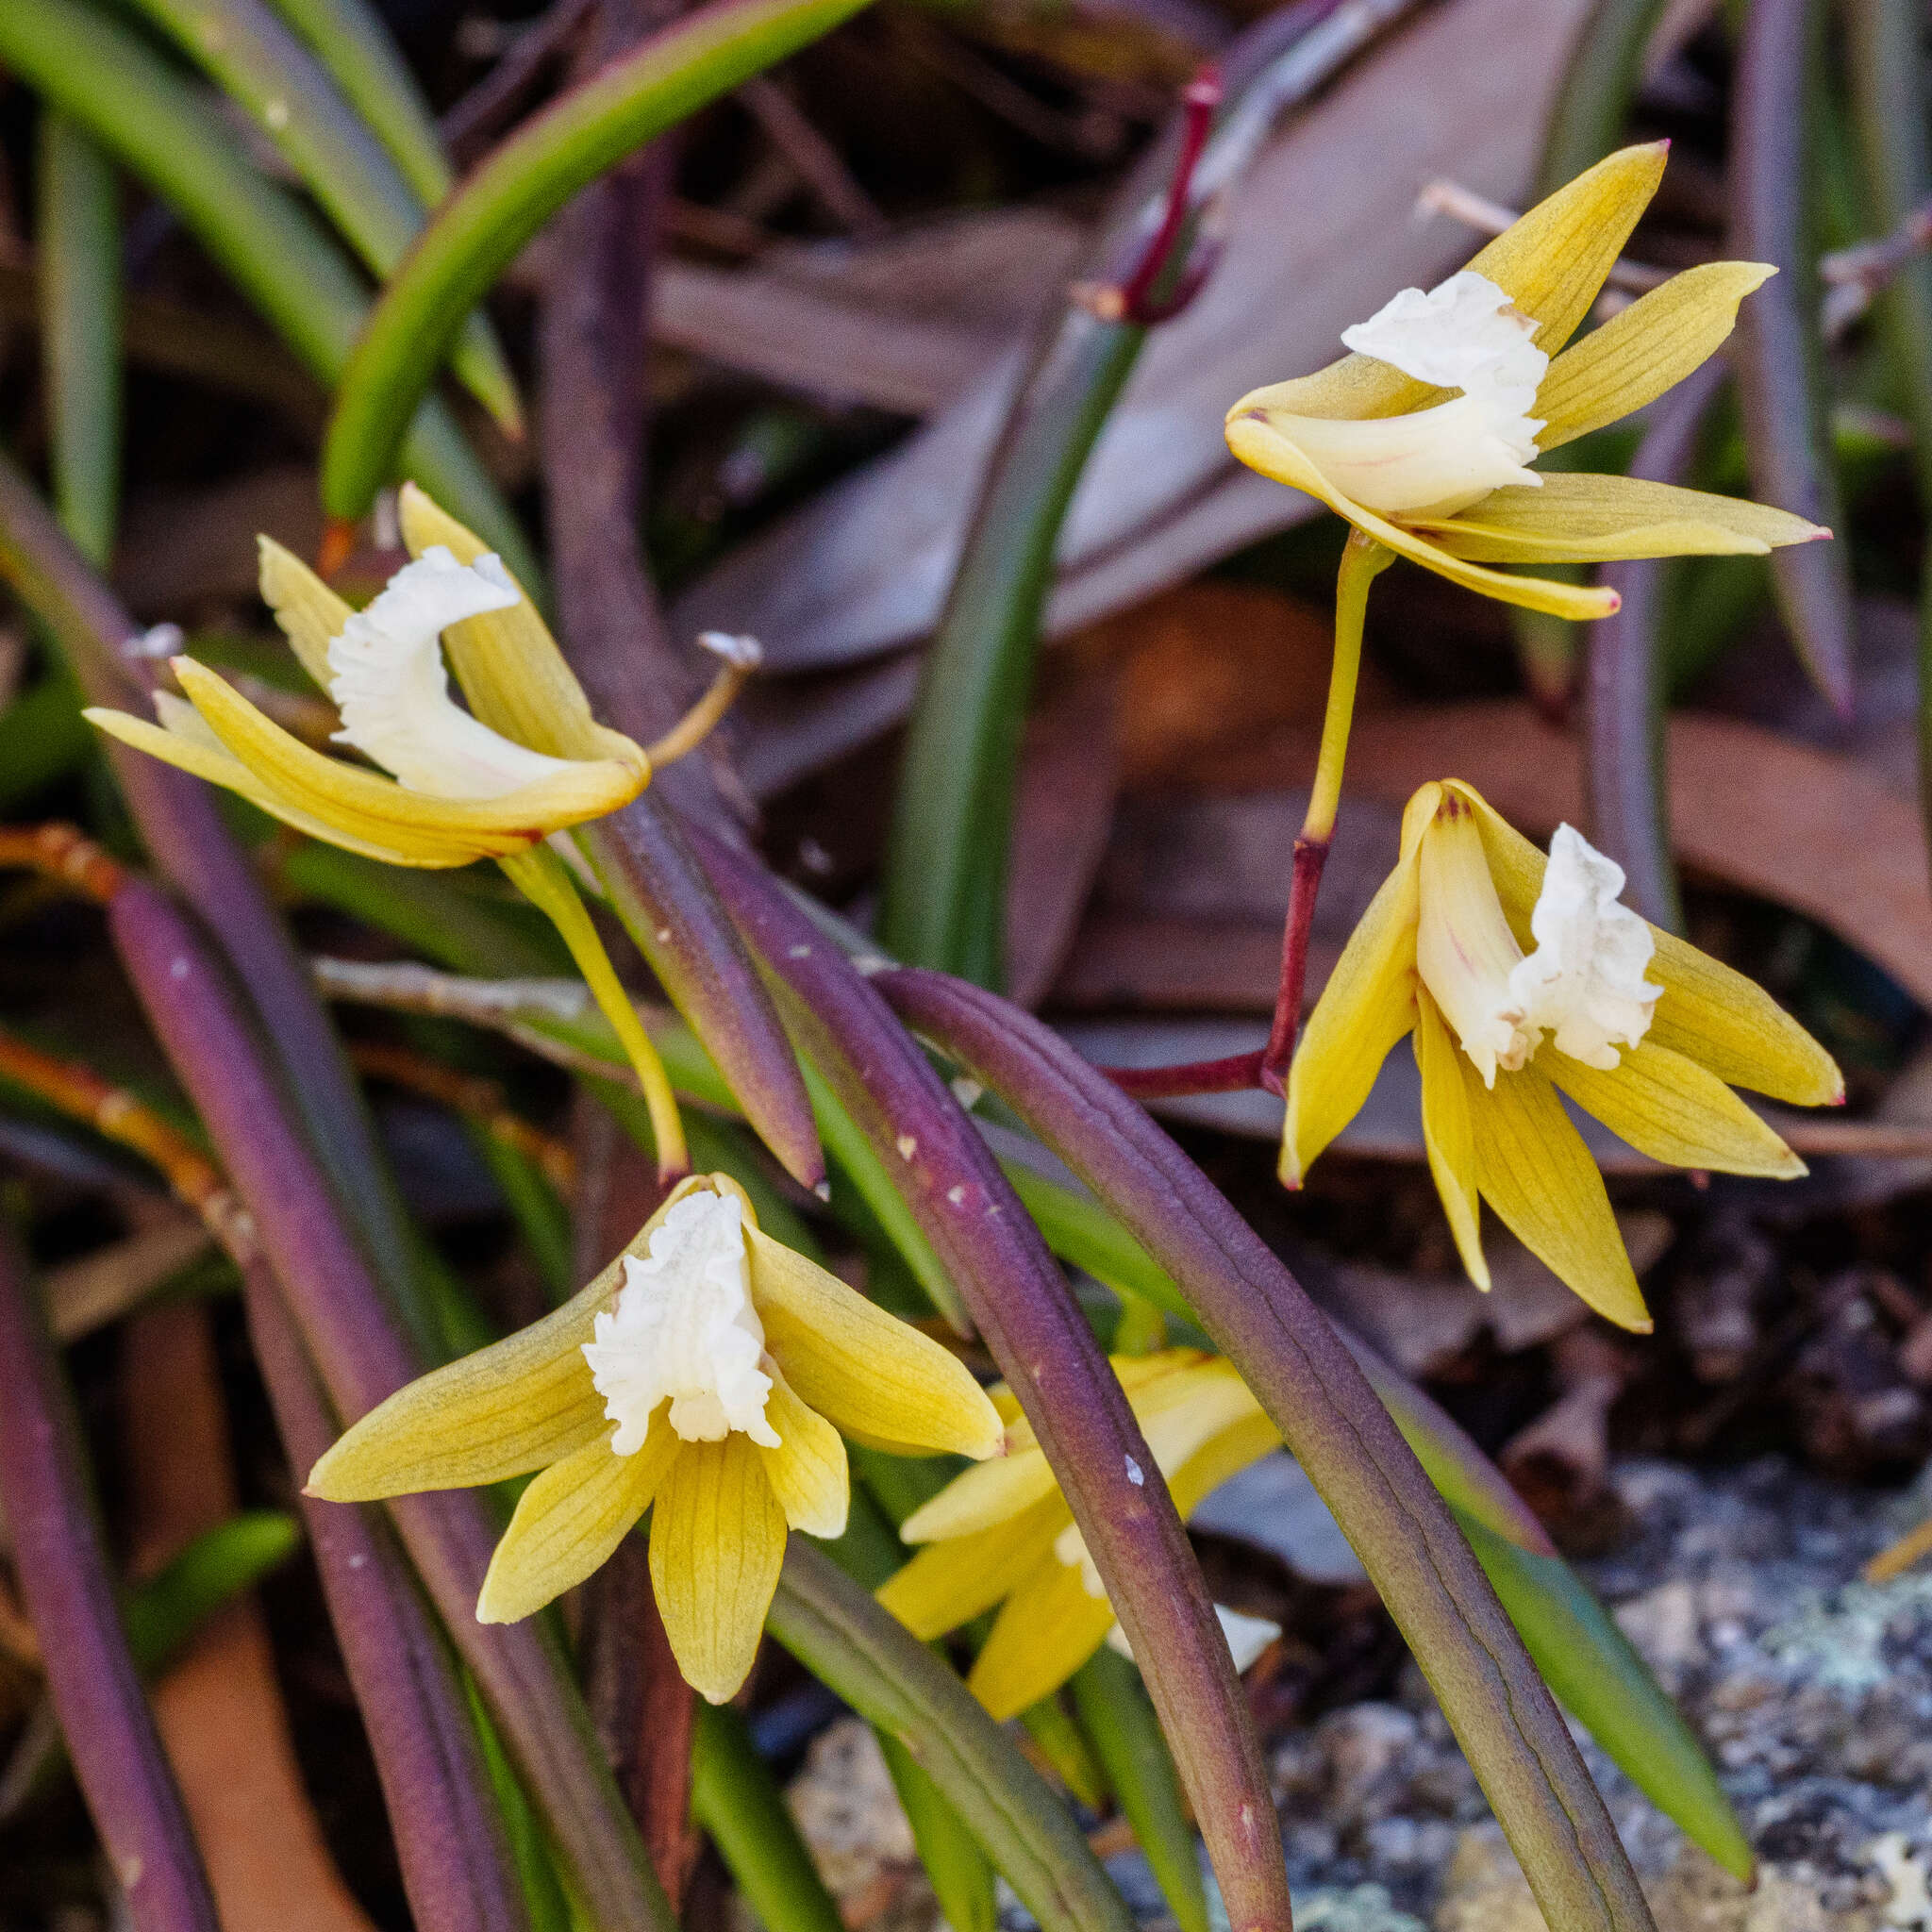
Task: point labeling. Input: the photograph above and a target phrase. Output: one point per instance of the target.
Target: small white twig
(1477, 211)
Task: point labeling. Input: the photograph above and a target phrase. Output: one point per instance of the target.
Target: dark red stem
(1200, 99)
(1310, 855)
(1234, 1074)
(69, 1594)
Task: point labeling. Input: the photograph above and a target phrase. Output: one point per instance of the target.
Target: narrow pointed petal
(1367, 1005)
(950, 1583)
(982, 1498)
(309, 613)
(1263, 447)
(1193, 1411)
(1449, 1138)
(570, 1521)
(1534, 1169)
(1727, 1023)
(1228, 1453)
(1552, 262)
(1049, 1628)
(373, 807)
(807, 1471)
(717, 1545)
(517, 1405)
(1582, 519)
(868, 1374)
(1644, 350)
(506, 661)
(1670, 1107)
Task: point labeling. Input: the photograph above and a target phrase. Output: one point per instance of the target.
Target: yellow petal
(949, 1583)
(982, 1497)
(1448, 1137)
(806, 1469)
(309, 613)
(376, 808)
(1049, 1628)
(1669, 1108)
(1644, 350)
(1551, 262)
(1727, 1023)
(1580, 518)
(1534, 1169)
(1181, 1414)
(570, 1521)
(1262, 446)
(1367, 1005)
(867, 1372)
(1228, 1453)
(506, 661)
(717, 1545)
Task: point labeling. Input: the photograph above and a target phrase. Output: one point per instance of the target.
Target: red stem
(1199, 101)
(1310, 855)
(1234, 1074)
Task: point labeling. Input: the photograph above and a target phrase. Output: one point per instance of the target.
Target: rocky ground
(1812, 1690)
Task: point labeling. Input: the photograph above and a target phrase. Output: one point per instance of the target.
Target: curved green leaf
(480, 228)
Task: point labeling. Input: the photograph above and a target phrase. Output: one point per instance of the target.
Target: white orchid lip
(1584, 983)
(1464, 334)
(391, 686)
(684, 1330)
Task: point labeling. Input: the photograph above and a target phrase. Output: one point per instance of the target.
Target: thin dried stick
(473, 1095)
(813, 159)
(1487, 217)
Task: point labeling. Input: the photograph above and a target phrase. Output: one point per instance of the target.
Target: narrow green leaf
(158, 127)
(350, 39)
(479, 230)
(1597, 1674)
(535, 1206)
(961, 1873)
(266, 70)
(161, 1614)
(78, 242)
(832, 1625)
(1593, 102)
(1120, 1722)
(736, 1799)
(42, 737)
(1064, 1746)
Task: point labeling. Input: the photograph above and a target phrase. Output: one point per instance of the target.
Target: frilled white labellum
(1247, 1636)
(1585, 983)
(1466, 335)
(387, 679)
(685, 1328)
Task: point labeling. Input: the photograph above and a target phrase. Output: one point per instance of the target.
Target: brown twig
(82, 1093)
(813, 157)
(496, 93)
(473, 1095)
(62, 853)
(1487, 217)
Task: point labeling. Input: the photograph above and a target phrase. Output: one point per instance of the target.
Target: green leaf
(1593, 102)
(266, 70)
(479, 230)
(160, 128)
(161, 1614)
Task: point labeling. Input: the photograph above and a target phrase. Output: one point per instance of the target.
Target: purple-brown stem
(1050, 1358)
(1134, 301)
(456, 1864)
(68, 1591)
(1235, 1074)
(1258, 1316)
(361, 1354)
(1310, 855)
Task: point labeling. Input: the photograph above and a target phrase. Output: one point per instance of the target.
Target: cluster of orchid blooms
(711, 1375)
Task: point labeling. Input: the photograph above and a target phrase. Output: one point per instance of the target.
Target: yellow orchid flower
(1522, 978)
(525, 762)
(1003, 1533)
(1423, 436)
(706, 1376)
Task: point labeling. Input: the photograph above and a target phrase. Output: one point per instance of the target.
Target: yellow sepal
(506, 661)
(310, 614)
(1582, 519)
(871, 1376)
(1669, 1108)
(1534, 1169)
(1047, 1629)
(1644, 350)
(947, 1584)
(717, 1545)
(982, 1497)
(807, 1470)
(1264, 447)
(570, 1521)
(1449, 1136)
(1367, 1005)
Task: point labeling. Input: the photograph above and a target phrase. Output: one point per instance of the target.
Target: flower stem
(539, 875)
(1362, 561)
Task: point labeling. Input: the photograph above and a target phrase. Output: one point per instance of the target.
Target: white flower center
(1584, 983)
(1466, 335)
(685, 1327)
(389, 683)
